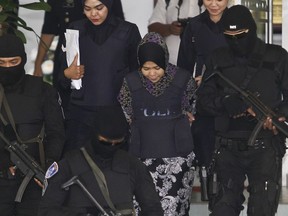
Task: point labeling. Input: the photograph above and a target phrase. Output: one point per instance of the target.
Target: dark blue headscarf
(107, 3)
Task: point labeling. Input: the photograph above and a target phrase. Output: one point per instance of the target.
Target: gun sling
(38, 139)
(102, 184)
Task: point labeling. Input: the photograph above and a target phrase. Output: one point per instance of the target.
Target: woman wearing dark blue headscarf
(108, 51)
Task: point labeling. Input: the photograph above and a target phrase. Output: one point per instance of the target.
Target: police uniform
(34, 107)
(125, 176)
(259, 68)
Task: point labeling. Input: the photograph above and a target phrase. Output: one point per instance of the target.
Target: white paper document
(72, 48)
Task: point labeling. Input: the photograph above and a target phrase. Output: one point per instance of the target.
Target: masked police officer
(124, 176)
(259, 68)
(29, 113)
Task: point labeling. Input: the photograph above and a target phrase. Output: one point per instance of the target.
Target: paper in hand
(72, 48)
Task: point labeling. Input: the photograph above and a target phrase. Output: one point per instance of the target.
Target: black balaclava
(110, 123)
(12, 46)
(239, 17)
(152, 52)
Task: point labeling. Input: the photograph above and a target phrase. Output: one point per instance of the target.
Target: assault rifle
(261, 110)
(75, 180)
(24, 162)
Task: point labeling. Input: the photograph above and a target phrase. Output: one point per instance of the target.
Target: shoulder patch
(52, 170)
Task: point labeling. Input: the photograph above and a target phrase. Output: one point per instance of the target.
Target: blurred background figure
(169, 19)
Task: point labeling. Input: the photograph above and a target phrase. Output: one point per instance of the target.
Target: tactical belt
(241, 144)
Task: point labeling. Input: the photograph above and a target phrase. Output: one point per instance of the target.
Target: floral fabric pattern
(173, 179)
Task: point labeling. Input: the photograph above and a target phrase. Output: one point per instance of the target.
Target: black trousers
(30, 199)
(204, 139)
(262, 167)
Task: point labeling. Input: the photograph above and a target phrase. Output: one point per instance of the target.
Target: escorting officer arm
(25, 163)
(259, 110)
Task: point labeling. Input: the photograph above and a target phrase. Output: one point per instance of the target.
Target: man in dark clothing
(125, 175)
(55, 23)
(261, 68)
(30, 112)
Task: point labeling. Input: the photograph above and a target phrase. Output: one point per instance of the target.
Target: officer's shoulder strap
(134, 81)
(167, 3)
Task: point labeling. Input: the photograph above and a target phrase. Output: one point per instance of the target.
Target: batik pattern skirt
(173, 179)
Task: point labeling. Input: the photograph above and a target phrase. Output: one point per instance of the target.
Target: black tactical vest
(117, 178)
(105, 67)
(159, 129)
(26, 105)
(262, 69)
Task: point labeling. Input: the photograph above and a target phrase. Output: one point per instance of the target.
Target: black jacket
(125, 176)
(269, 80)
(200, 38)
(34, 104)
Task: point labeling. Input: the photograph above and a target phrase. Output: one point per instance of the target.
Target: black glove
(234, 105)
(282, 110)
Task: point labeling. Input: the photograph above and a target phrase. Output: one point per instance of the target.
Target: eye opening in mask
(236, 34)
(111, 142)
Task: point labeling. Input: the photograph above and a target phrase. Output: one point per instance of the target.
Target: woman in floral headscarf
(156, 101)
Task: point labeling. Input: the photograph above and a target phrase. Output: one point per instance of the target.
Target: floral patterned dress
(173, 177)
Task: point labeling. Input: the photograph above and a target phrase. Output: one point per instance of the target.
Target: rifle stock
(76, 180)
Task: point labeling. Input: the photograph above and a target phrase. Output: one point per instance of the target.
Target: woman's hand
(198, 80)
(74, 71)
(190, 117)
